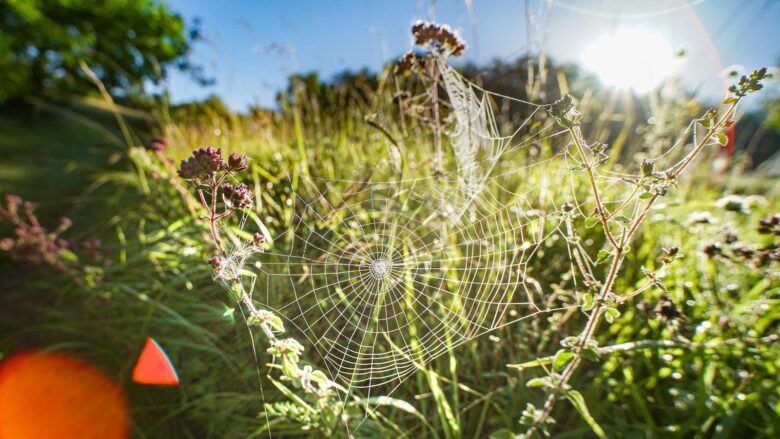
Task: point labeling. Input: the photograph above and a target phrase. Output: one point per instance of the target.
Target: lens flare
(630, 58)
(46, 395)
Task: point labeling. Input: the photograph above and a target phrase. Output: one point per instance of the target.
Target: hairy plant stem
(600, 209)
(600, 301)
(256, 313)
(439, 160)
(211, 209)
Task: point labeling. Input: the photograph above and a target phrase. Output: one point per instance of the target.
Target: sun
(630, 58)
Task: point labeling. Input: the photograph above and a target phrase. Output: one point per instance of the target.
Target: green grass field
(693, 354)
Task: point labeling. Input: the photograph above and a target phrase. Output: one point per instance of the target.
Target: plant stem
(617, 259)
(600, 210)
(213, 217)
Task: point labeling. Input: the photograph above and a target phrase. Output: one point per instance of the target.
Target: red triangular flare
(154, 366)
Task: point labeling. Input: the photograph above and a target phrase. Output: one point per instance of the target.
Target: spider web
(380, 277)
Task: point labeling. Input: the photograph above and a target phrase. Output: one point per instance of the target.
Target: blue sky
(252, 45)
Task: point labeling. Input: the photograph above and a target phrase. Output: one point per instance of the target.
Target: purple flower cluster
(204, 163)
(236, 162)
(439, 36)
(33, 244)
(408, 62)
(770, 225)
(208, 171)
(157, 144)
(239, 196)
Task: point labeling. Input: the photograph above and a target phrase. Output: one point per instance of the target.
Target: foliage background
(72, 156)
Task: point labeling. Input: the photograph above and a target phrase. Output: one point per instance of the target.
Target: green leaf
(562, 357)
(591, 221)
(236, 291)
(590, 353)
(289, 367)
(722, 139)
(587, 302)
(578, 401)
(276, 323)
(611, 314)
(530, 364)
(645, 195)
(538, 382)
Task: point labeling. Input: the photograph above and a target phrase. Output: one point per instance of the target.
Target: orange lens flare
(47, 395)
(154, 366)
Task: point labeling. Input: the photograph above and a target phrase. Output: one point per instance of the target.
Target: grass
(708, 372)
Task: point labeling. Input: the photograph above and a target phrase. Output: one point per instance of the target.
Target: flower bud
(647, 167)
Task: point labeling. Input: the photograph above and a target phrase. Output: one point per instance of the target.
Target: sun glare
(630, 58)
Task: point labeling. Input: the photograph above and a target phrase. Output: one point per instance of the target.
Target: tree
(125, 42)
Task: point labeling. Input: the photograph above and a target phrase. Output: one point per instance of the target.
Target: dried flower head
(440, 37)
(236, 162)
(216, 263)
(238, 197)
(713, 249)
(564, 112)
(769, 225)
(203, 163)
(408, 62)
(34, 244)
(665, 309)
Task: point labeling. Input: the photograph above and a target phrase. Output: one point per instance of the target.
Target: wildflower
(34, 244)
(743, 252)
(6, 244)
(408, 62)
(770, 224)
(204, 163)
(13, 202)
(236, 162)
(672, 251)
(766, 256)
(439, 36)
(648, 168)
(713, 249)
(564, 112)
(701, 217)
(666, 309)
(217, 263)
(258, 239)
(157, 144)
(734, 203)
(238, 197)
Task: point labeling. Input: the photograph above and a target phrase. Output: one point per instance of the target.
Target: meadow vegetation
(670, 267)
